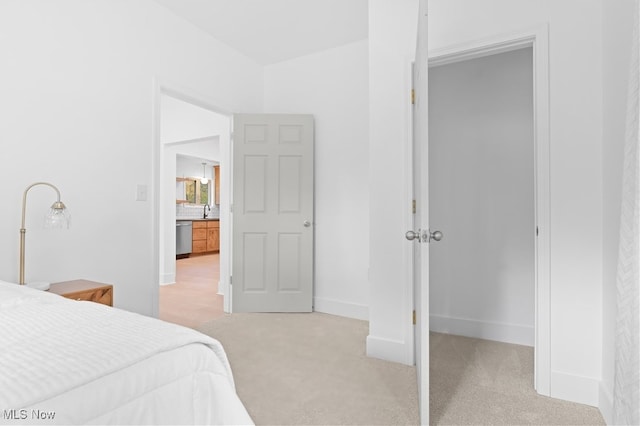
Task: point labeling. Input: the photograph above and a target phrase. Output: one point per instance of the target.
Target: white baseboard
(340, 308)
(389, 350)
(605, 403)
(508, 333)
(583, 390)
(166, 279)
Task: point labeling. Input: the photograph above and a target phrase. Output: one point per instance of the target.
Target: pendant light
(204, 179)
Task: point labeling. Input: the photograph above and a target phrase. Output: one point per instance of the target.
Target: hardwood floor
(193, 299)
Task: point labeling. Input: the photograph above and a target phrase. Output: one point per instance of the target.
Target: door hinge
(414, 317)
(413, 96)
(230, 208)
(230, 279)
(536, 231)
(413, 206)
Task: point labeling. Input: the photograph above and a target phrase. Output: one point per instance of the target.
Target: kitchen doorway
(193, 210)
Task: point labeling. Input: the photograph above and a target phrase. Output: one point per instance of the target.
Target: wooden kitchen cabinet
(216, 185)
(205, 237)
(199, 237)
(213, 236)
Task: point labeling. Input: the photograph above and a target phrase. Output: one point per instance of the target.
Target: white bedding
(82, 362)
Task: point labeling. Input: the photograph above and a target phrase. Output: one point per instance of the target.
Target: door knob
(412, 235)
(306, 223)
(435, 236)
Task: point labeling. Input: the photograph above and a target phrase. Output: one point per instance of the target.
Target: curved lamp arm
(57, 206)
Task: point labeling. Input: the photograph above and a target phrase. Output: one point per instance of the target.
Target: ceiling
(270, 31)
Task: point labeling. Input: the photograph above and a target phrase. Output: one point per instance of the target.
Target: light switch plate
(141, 192)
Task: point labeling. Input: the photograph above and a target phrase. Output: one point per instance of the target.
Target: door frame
(164, 87)
(537, 38)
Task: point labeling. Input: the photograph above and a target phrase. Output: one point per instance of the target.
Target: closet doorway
(482, 196)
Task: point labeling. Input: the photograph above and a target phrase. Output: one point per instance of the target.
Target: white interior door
(272, 213)
(421, 235)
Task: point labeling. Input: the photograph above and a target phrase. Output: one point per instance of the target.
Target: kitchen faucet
(206, 210)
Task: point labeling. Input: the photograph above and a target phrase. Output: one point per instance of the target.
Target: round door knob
(306, 223)
(436, 236)
(411, 235)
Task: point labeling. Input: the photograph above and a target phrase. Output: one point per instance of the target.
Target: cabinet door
(213, 239)
(199, 240)
(199, 234)
(216, 185)
(199, 246)
(216, 239)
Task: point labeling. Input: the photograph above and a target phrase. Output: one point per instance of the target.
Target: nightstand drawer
(100, 295)
(84, 290)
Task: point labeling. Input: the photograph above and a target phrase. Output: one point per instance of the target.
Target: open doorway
(192, 220)
(481, 169)
(482, 196)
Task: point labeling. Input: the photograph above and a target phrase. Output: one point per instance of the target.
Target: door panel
(289, 261)
(255, 180)
(421, 216)
(254, 267)
(290, 177)
(272, 213)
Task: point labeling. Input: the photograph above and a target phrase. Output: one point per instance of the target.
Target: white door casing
(272, 214)
(421, 214)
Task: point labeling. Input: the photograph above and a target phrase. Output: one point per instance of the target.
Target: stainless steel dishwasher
(183, 238)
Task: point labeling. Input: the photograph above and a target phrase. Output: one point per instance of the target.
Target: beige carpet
(311, 369)
(475, 381)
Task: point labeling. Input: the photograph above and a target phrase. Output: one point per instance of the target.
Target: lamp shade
(58, 217)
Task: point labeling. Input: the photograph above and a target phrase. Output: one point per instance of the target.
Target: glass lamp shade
(58, 217)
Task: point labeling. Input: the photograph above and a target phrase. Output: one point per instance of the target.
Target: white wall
(76, 97)
(183, 121)
(575, 37)
(616, 49)
(188, 165)
(481, 196)
(333, 86)
(392, 38)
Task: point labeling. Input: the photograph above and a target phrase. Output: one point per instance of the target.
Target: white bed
(70, 362)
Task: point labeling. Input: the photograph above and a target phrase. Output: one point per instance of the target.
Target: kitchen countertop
(199, 219)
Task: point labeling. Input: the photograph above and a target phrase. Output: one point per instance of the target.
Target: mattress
(73, 362)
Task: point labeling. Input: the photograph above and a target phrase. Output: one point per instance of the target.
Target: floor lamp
(58, 217)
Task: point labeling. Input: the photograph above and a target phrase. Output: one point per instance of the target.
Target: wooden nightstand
(84, 290)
